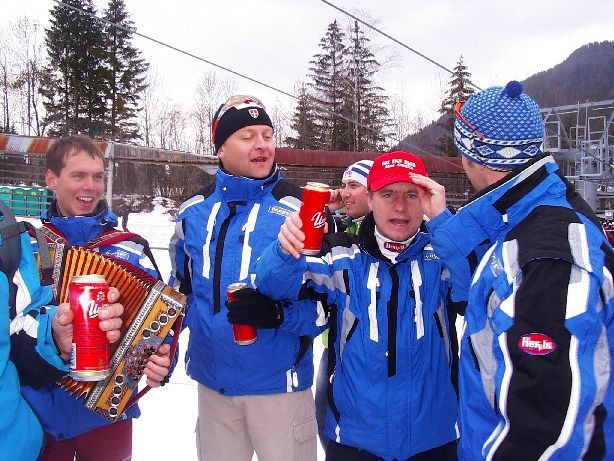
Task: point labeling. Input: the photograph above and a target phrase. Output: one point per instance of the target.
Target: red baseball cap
(394, 167)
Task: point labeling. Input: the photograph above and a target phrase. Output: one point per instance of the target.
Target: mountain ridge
(587, 74)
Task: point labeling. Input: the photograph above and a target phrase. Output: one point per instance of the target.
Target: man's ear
(369, 200)
(51, 180)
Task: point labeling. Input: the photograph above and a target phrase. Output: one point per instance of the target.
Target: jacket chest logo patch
(119, 254)
(279, 211)
(536, 344)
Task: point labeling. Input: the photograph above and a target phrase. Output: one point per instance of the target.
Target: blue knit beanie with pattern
(500, 127)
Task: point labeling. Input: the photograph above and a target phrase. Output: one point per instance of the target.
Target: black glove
(250, 307)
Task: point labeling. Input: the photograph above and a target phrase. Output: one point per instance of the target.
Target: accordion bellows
(150, 310)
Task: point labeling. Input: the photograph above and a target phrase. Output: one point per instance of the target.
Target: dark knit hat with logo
(236, 113)
(500, 127)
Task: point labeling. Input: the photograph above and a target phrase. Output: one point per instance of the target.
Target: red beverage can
(243, 334)
(89, 360)
(313, 215)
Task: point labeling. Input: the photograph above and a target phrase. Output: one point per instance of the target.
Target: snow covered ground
(165, 429)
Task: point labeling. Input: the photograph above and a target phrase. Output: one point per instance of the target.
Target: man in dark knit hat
(537, 350)
(254, 397)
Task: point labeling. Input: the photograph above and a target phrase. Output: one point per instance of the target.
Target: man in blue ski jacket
(79, 216)
(392, 393)
(253, 397)
(35, 338)
(538, 343)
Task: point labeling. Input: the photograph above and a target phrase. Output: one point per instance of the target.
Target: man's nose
(261, 143)
(89, 183)
(400, 203)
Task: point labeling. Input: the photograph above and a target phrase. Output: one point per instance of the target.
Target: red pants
(112, 442)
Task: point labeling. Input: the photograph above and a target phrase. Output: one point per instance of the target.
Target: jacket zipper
(219, 251)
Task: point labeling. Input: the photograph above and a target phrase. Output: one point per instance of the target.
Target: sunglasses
(239, 102)
(457, 113)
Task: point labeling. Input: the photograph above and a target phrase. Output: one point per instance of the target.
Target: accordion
(151, 308)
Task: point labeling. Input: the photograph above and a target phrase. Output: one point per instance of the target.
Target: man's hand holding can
(249, 307)
(244, 334)
(110, 322)
(291, 236)
(316, 196)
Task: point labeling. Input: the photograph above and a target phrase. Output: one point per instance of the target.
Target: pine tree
(74, 87)
(304, 122)
(126, 73)
(349, 108)
(328, 72)
(365, 103)
(460, 89)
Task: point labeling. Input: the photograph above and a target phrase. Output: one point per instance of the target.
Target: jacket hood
(499, 207)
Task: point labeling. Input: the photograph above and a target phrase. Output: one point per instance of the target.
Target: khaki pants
(278, 427)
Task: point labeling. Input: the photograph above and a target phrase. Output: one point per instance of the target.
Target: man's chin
(260, 171)
(85, 209)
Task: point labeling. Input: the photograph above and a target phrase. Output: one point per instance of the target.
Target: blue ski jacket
(219, 234)
(538, 343)
(27, 353)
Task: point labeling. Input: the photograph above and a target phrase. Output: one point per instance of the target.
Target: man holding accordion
(80, 217)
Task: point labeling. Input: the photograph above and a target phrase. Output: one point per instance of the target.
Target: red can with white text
(243, 334)
(89, 360)
(313, 215)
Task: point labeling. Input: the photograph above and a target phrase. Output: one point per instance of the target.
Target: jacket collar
(239, 188)
(80, 229)
(508, 201)
(367, 241)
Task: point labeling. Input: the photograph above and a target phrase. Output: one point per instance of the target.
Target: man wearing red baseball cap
(392, 394)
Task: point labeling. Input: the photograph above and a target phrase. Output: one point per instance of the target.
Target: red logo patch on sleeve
(536, 344)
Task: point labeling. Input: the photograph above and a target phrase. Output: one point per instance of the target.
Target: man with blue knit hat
(256, 397)
(354, 193)
(537, 349)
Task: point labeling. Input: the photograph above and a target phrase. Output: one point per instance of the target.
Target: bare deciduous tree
(281, 117)
(149, 100)
(26, 47)
(170, 126)
(210, 92)
(401, 123)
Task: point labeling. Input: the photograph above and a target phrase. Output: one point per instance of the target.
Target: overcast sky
(274, 40)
